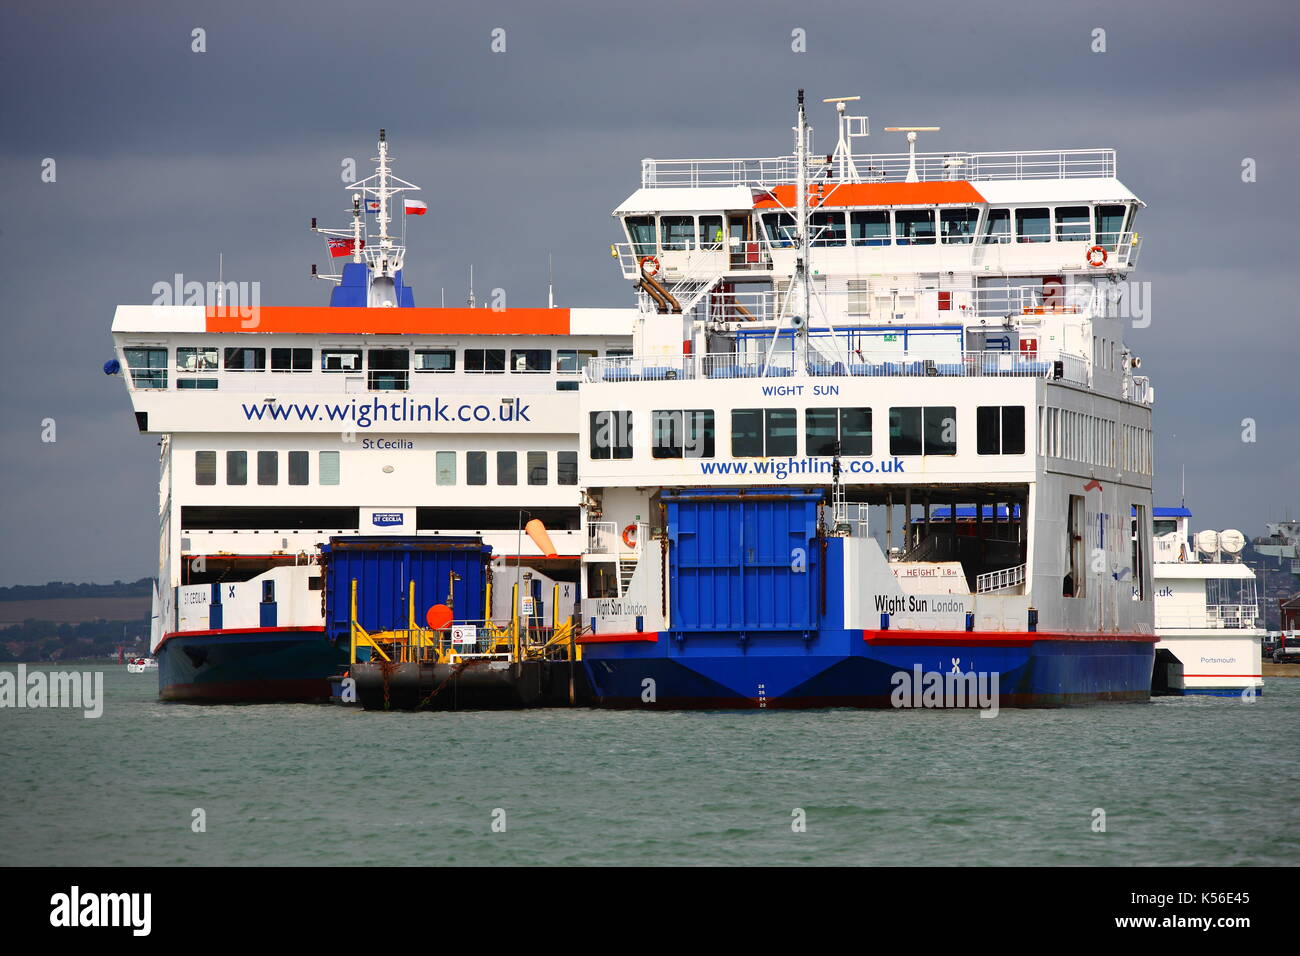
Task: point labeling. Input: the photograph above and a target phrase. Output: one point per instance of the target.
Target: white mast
(801, 225)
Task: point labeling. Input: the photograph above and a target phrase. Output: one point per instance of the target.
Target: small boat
(141, 665)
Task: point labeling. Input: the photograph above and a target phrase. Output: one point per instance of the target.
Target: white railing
(1002, 580)
(347, 383)
(602, 537)
(884, 167)
(784, 364)
(1216, 617)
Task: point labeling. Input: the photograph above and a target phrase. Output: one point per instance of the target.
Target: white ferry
(281, 427)
(1208, 617)
(880, 441)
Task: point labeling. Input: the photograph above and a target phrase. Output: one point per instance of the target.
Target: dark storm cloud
(167, 157)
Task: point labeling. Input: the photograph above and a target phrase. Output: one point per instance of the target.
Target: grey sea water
(1182, 781)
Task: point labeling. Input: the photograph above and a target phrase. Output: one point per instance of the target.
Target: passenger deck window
(340, 360)
(485, 360)
(537, 468)
(997, 228)
(148, 367)
(1033, 225)
(507, 468)
(245, 360)
(929, 430)
(476, 468)
(268, 467)
(610, 435)
(914, 227)
(844, 431)
(763, 432)
(869, 228)
(1000, 430)
(827, 229)
(236, 467)
(566, 467)
(328, 467)
(389, 369)
(298, 467)
(290, 360)
(192, 359)
(445, 467)
(957, 226)
(682, 434)
(205, 467)
(1073, 224)
(435, 360)
(530, 360)
(573, 360)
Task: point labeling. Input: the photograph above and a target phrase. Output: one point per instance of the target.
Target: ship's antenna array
(376, 195)
(850, 128)
(911, 132)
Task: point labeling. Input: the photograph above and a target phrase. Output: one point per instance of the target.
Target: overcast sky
(166, 157)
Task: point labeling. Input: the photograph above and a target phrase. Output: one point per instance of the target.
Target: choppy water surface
(1182, 781)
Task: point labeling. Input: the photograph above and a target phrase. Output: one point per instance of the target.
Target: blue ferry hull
(853, 668)
(245, 667)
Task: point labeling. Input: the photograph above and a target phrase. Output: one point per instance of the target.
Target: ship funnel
(537, 531)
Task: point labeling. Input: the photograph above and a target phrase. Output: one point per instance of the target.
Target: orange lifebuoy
(1095, 262)
(629, 536)
(646, 262)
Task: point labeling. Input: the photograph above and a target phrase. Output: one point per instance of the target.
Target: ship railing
(1216, 617)
(850, 363)
(768, 171)
(602, 537)
(1003, 580)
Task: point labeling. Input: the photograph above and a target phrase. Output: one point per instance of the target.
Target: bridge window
(998, 226)
(148, 367)
(485, 360)
(190, 359)
(676, 232)
(763, 432)
(611, 435)
(641, 233)
(245, 360)
(268, 468)
(530, 360)
(843, 431)
(340, 360)
(476, 468)
(711, 232)
(573, 360)
(290, 360)
(1110, 221)
(435, 360)
(914, 227)
(298, 467)
(389, 369)
(1034, 225)
(444, 465)
(205, 467)
(236, 467)
(328, 464)
(682, 434)
(566, 467)
(780, 229)
(958, 225)
(1000, 430)
(537, 468)
(931, 430)
(507, 468)
(1073, 224)
(869, 228)
(828, 229)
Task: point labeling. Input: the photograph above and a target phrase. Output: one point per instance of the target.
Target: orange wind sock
(537, 531)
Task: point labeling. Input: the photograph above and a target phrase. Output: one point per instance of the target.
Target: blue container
(384, 566)
(744, 560)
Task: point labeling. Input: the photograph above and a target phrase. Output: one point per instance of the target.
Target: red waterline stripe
(992, 638)
(630, 637)
(240, 630)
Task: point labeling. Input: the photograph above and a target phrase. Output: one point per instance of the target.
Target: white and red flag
(415, 207)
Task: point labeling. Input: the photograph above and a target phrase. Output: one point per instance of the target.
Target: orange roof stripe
(327, 320)
(875, 194)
